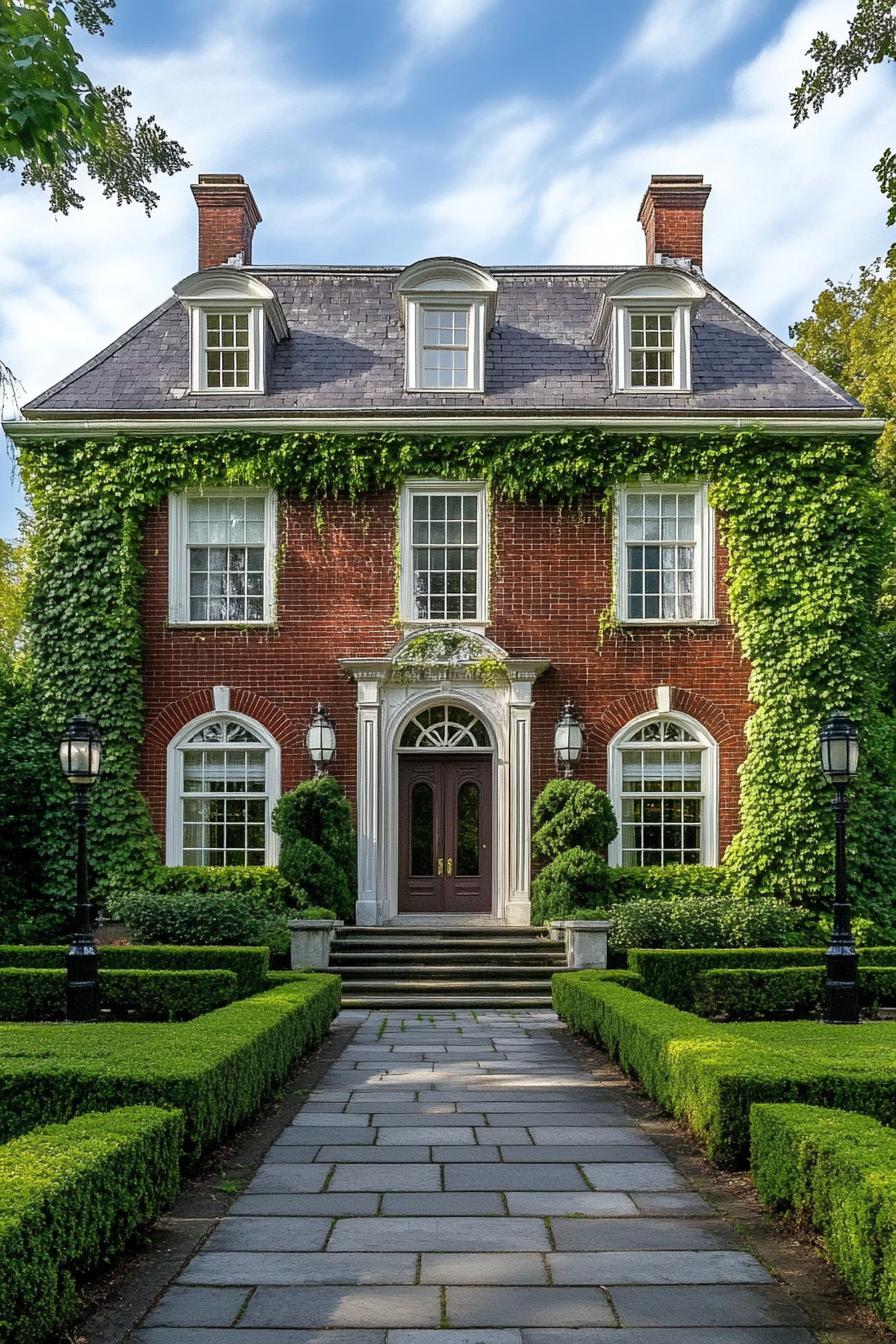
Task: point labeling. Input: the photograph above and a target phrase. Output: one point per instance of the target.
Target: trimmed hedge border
(671, 974)
(709, 1074)
(37, 994)
(744, 995)
(217, 1069)
(839, 1169)
(250, 965)
(71, 1196)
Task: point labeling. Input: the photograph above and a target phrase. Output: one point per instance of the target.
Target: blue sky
(502, 130)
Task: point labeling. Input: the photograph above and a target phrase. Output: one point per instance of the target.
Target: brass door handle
(440, 868)
(450, 867)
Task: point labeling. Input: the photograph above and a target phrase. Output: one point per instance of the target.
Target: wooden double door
(445, 833)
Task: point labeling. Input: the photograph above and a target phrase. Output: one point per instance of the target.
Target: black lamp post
(569, 736)
(80, 752)
(839, 746)
(320, 739)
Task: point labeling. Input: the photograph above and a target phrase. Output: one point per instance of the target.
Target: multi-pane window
(665, 558)
(226, 557)
(446, 547)
(225, 797)
(228, 350)
(651, 349)
(662, 795)
(445, 347)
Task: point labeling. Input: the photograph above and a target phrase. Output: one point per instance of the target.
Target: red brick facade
(550, 581)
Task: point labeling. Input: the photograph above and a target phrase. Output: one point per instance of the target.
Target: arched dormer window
(646, 314)
(663, 776)
(233, 317)
(448, 308)
(223, 781)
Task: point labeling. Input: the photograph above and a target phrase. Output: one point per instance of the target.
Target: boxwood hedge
(249, 964)
(799, 990)
(671, 974)
(839, 1169)
(217, 1068)
(709, 1074)
(70, 1198)
(37, 994)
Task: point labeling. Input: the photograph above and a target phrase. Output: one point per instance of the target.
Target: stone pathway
(459, 1178)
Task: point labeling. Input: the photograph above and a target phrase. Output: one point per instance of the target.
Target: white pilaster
(519, 908)
(367, 908)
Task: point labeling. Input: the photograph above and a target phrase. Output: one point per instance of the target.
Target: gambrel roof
(345, 353)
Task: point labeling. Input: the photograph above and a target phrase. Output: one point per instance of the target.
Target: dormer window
(448, 308)
(234, 321)
(645, 319)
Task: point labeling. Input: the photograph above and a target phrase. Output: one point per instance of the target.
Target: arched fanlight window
(445, 726)
(663, 786)
(224, 776)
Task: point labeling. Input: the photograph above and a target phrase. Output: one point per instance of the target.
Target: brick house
(444, 626)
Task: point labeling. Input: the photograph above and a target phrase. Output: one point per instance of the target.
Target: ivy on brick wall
(807, 530)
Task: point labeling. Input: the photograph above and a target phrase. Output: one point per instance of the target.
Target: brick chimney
(671, 216)
(227, 218)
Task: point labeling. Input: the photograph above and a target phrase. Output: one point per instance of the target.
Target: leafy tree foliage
(55, 120)
(849, 335)
(870, 40)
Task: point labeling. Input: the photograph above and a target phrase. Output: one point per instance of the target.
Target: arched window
(445, 727)
(223, 780)
(663, 771)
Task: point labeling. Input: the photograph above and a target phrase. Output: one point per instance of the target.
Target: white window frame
(704, 553)
(681, 345)
(198, 362)
(709, 747)
(476, 331)
(407, 606)
(179, 569)
(174, 799)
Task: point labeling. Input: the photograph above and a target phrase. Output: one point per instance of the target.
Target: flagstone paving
(461, 1178)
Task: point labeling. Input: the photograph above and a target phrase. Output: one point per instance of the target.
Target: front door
(445, 834)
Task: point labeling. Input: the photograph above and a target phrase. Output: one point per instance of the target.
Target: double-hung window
(445, 342)
(663, 784)
(665, 554)
(221, 552)
(228, 351)
(443, 552)
(651, 350)
(224, 774)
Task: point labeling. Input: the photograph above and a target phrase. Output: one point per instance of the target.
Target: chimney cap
(662, 183)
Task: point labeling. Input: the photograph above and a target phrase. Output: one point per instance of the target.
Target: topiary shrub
(704, 921)
(578, 878)
(571, 814)
(257, 884)
(317, 849)
(316, 912)
(573, 820)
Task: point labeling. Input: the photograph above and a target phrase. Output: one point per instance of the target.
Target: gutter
(21, 431)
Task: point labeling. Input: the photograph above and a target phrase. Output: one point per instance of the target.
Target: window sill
(652, 391)
(226, 392)
(446, 624)
(222, 625)
(702, 622)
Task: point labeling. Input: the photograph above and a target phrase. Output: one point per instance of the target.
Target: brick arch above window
(614, 717)
(170, 721)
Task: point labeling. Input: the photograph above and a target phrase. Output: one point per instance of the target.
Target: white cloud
(676, 35)
(430, 23)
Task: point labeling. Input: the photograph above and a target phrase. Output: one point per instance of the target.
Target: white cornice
(75, 426)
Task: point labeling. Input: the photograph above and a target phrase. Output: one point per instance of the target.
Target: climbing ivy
(806, 527)
(440, 646)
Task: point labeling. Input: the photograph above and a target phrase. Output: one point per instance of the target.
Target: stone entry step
(401, 966)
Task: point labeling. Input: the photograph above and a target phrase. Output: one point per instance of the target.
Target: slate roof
(345, 354)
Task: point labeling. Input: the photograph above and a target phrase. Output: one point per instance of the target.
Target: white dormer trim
(228, 289)
(446, 283)
(666, 290)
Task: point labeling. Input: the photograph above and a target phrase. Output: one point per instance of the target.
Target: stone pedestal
(310, 943)
(586, 942)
